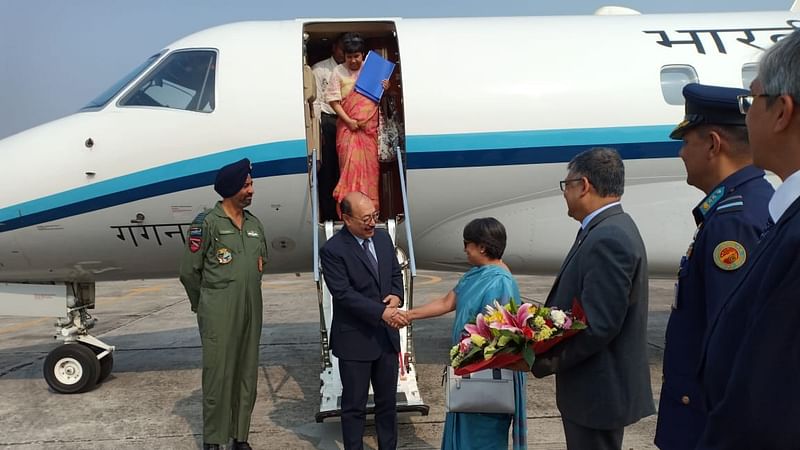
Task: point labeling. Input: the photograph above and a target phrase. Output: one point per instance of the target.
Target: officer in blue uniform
(729, 220)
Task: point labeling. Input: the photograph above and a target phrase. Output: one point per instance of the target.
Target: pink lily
(464, 345)
(511, 322)
(479, 328)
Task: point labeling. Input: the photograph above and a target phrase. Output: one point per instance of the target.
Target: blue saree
(479, 287)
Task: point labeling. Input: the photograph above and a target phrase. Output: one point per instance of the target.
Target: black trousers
(581, 438)
(329, 170)
(356, 376)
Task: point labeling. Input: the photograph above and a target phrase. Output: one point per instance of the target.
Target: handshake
(394, 316)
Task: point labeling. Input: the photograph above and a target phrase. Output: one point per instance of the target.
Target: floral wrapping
(510, 333)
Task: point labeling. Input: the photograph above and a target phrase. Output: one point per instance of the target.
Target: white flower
(558, 317)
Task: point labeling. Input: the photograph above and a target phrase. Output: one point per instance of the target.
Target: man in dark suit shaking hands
(602, 375)
(362, 274)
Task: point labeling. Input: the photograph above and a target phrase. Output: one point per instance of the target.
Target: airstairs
(409, 399)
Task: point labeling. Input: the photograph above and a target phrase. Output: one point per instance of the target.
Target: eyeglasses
(746, 101)
(368, 218)
(563, 183)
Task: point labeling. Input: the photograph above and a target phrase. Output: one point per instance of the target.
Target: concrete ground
(153, 400)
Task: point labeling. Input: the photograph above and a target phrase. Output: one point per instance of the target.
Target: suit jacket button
(685, 399)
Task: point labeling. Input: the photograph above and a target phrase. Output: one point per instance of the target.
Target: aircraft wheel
(106, 365)
(71, 368)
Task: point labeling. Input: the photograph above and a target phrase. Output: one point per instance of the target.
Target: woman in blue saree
(487, 281)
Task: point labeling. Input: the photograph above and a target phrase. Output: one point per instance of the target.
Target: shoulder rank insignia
(224, 256)
(731, 204)
(729, 255)
(712, 200)
(196, 232)
(198, 220)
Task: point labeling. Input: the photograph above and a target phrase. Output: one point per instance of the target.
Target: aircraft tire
(106, 365)
(71, 369)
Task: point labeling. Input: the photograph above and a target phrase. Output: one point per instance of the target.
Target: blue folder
(375, 70)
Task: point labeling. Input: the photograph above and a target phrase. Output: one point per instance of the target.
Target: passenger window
(749, 73)
(184, 80)
(673, 79)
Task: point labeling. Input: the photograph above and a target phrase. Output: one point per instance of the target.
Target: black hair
(346, 207)
(489, 233)
(353, 43)
(604, 169)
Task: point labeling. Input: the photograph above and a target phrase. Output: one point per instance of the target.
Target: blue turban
(231, 178)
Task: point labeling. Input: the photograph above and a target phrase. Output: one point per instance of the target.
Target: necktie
(370, 256)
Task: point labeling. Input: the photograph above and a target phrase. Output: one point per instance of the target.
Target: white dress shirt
(594, 214)
(784, 196)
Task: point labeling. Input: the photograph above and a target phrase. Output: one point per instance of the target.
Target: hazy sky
(59, 54)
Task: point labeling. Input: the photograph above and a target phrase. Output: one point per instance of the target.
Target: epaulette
(198, 220)
(731, 204)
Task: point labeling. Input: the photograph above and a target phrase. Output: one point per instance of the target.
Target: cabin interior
(380, 37)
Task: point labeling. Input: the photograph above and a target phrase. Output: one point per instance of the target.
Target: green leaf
(528, 355)
(503, 340)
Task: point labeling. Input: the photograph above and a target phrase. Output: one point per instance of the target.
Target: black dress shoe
(210, 446)
(241, 445)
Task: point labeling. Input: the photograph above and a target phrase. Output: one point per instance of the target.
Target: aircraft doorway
(389, 142)
(321, 121)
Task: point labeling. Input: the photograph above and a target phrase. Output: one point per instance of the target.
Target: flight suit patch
(195, 243)
(224, 256)
(195, 232)
(729, 255)
(252, 233)
(226, 232)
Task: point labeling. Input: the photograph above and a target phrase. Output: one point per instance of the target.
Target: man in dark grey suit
(602, 374)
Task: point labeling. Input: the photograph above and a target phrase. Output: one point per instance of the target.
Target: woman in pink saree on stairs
(357, 125)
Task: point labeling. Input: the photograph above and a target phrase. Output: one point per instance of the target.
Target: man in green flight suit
(221, 271)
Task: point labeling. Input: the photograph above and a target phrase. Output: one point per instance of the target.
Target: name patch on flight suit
(224, 256)
(729, 255)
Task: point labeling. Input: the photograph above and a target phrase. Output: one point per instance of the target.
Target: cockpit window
(111, 92)
(184, 80)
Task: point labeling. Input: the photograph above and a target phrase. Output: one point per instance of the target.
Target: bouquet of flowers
(505, 334)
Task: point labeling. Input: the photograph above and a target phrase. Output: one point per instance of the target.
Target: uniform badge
(712, 200)
(729, 255)
(195, 232)
(224, 256)
(195, 243)
(252, 233)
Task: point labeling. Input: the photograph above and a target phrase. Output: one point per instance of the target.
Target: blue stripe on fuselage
(288, 157)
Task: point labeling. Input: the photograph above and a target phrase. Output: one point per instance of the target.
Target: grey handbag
(485, 391)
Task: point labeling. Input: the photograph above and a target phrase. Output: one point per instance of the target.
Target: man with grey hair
(751, 368)
(602, 373)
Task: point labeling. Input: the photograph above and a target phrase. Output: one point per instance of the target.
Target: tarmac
(153, 400)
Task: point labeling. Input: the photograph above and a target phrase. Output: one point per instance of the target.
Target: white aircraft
(491, 109)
